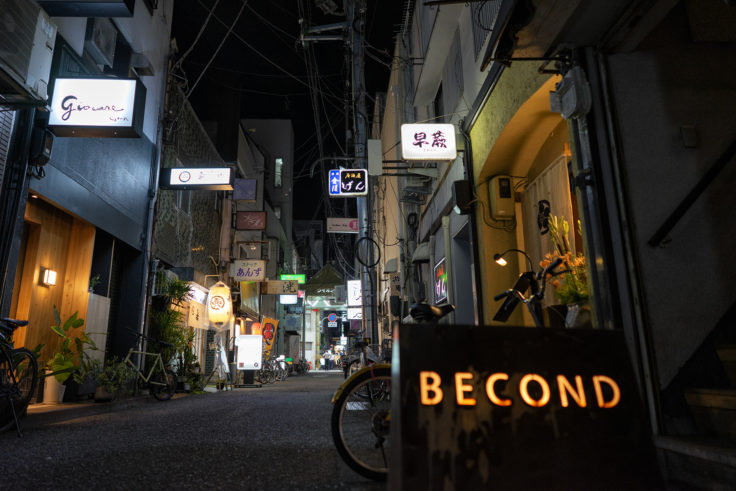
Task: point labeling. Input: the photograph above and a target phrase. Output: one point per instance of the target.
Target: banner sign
(519, 408)
(250, 351)
(250, 220)
(268, 330)
(248, 270)
(97, 107)
(197, 317)
(428, 142)
(342, 225)
(197, 178)
(355, 293)
(277, 287)
(347, 182)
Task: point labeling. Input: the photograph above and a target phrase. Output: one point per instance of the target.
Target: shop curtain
(546, 196)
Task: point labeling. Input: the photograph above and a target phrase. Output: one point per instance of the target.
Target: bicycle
(18, 377)
(361, 412)
(533, 302)
(160, 381)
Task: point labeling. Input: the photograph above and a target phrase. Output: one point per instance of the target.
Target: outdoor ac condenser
(27, 38)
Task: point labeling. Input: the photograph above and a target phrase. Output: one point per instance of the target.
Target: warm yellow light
(429, 382)
(461, 388)
(501, 261)
(219, 304)
(524, 391)
(49, 277)
(491, 390)
(616, 391)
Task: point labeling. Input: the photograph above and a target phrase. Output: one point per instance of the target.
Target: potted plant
(571, 286)
(93, 282)
(116, 379)
(67, 357)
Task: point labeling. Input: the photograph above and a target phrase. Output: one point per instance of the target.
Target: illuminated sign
(250, 351)
(502, 400)
(199, 178)
(440, 282)
(300, 278)
(428, 142)
(355, 293)
(248, 270)
(97, 107)
(280, 287)
(347, 182)
(219, 304)
(250, 220)
(288, 299)
(355, 313)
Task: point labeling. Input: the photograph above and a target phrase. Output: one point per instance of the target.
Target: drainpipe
(152, 198)
(475, 270)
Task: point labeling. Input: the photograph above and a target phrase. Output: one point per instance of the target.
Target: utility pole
(355, 10)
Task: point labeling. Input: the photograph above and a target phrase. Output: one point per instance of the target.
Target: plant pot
(102, 395)
(557, 315)
(579, 315)
(53, 390)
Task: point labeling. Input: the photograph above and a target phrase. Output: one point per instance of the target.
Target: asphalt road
(276, 437)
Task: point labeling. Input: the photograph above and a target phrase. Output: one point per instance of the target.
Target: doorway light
(48, 277)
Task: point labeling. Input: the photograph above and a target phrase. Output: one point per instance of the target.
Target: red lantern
(255, 328)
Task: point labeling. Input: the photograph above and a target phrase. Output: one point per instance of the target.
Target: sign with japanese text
(348, 182)
(245, 189)
(355, 293)
(299, 278)
(269, 327)
(248, 270)
(97, 107)
(342, 225)
(280, 287)
(197, 178)
(250, 220)
(428, 142)
(197, 317)
(355, 313)
(395, 282)
(440, 282)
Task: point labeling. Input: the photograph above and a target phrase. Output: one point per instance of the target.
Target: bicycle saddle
(423, 312)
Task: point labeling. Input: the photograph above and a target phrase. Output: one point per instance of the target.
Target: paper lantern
(219, 304)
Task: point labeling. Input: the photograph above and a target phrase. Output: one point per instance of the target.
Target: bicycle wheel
(361, 423)
(163, 385)
(18, 381)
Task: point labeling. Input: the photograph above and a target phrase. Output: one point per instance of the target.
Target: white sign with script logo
(428, 142)
(92, 102)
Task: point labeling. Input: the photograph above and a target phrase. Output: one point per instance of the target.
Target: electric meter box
(502, 200)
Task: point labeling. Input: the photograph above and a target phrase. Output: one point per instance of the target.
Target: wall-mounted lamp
(502, 262)
(48, 277)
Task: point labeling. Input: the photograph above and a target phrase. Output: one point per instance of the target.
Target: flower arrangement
(572, 285)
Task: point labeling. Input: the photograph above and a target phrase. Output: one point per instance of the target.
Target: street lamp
(502, 262)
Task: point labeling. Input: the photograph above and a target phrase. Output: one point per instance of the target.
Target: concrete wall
(668, 83)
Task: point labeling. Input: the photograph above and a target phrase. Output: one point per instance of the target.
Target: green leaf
(58, 331)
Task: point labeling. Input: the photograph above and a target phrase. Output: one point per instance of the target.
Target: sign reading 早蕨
(428, 142)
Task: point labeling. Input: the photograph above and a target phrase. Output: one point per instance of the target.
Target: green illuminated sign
(300, 278)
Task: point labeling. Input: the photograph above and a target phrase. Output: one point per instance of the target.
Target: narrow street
(273, 437)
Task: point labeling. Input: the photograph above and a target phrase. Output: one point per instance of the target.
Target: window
(278, 164)
(184, 201)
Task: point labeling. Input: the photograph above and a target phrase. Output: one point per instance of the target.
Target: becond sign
(97, 107)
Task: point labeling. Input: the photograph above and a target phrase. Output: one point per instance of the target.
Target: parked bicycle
(18, 377)
(533, 302)
(159, 380)
(361, 412)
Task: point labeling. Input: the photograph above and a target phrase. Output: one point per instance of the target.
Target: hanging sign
(250, 220)
(268, 331)
(428, 142)
(278, 287)
(197, 178)
(97, 107)
(355, 313)
(348, 182)
(299, 278)
(245, 189)
(250, 351)
(355, 293)
(248, 270)
(440, 282)
(342, 225)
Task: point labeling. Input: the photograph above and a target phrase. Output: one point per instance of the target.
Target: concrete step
(727, 355)
(714, 411)
(697, 463)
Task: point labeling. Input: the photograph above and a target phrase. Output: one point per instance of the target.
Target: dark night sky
(262, 62)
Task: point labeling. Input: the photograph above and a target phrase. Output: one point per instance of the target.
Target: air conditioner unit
(100, 39)
(27, 39)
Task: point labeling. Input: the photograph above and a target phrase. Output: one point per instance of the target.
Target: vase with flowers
(571, 285)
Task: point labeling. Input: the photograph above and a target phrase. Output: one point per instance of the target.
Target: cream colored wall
(507, 137)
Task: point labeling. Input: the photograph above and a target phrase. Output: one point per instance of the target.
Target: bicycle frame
(158, 362)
